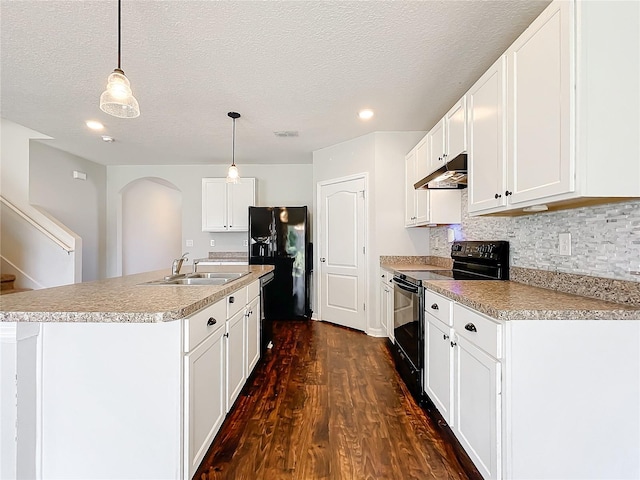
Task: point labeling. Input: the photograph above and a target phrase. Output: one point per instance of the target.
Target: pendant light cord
(233, 148)
(119, 27)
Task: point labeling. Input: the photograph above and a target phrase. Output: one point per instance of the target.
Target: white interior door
(342, 254)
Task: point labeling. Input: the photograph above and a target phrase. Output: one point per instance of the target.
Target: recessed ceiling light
(94, 125)
(108, 139)
(365, 114)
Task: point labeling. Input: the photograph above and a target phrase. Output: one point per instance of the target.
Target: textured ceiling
(284, 65)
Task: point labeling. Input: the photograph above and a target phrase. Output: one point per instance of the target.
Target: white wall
(79, 204)
(151, 225)
(18, 257)
(381, 155)
(276, 185)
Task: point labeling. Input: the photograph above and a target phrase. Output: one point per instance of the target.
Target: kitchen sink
(200, 278)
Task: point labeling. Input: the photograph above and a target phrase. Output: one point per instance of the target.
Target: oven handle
(405, 286)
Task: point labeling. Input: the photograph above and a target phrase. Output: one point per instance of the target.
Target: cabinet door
(253, 335)
(389, 293)
(236, 356)
(422, 159)
(409, 191)
(477, 406)
(384, 306)
(437, 145)
(241, 196)
(438, 358)
(540, 88)
(487, 136)
(214, 205)
(456, 129)
(205, 398)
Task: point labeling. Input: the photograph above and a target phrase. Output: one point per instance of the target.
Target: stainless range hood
(451, 175)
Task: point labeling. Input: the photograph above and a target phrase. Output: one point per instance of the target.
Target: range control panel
(493, 250)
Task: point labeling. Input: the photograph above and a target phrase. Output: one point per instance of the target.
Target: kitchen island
(122, 379)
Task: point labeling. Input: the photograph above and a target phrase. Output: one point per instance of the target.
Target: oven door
(408, 322)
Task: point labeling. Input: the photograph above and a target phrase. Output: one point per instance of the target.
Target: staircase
(6, 284)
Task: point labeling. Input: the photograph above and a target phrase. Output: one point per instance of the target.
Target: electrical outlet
(212, 243)
(564, 244)
(189, 243)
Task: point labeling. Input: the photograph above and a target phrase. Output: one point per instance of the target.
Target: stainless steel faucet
(177, 264)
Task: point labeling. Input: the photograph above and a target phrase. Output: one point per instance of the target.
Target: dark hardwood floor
(327, 403)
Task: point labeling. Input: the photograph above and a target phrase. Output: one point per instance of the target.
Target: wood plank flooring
(327, 403)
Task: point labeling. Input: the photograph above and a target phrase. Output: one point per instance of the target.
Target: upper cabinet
(448, 138)
(427, 207)
(487, 137)
(557, 128)
(540, 99)
(225, 205)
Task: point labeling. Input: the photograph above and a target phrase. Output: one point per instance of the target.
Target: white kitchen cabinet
(569, 130)
(386, 302)
(253, 335)
(205, 407)
(448, 138)
(456, 129)
(541, 98)
(425, 207)
(477, 406)
(438, 371)
(437, 145)
(236, 357)
(225, 205)
(487, 136)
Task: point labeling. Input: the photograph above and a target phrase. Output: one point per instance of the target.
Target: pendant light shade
(233, 176)
(118, 99)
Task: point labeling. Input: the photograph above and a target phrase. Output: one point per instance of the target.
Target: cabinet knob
(507, 193)
(226, 334)
(445, 336)
(453, 344)
(232, 299)
(212, 321)
(435, 306)
(323, 259)
(471, 327)
(498, 196)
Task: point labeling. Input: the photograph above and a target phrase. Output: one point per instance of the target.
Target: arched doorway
(151, 225)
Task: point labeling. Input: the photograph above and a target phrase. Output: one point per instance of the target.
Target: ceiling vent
(286, 133)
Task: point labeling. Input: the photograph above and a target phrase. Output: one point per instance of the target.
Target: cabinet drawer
(203, 323)
(438, 306)
(483, 332)
(236, 301)
(253, 290)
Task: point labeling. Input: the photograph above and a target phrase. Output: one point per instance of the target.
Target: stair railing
(35, 224)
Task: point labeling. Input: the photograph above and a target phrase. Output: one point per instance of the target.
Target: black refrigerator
(279, 236)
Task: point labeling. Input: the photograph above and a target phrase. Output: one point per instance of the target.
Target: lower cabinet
(477, 408)
(438, 380)
(222, 346)
(236, 356)
(253, 335)
(205, 408)
(386, 303)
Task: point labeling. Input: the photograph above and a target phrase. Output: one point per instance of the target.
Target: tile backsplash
(605, 240)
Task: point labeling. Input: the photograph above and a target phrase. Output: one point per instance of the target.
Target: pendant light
(117, 99)
(233, 176)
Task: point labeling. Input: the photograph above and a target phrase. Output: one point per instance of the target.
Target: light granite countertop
(410, 266)
(505, 300)
(122, 299)
(508, 300)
